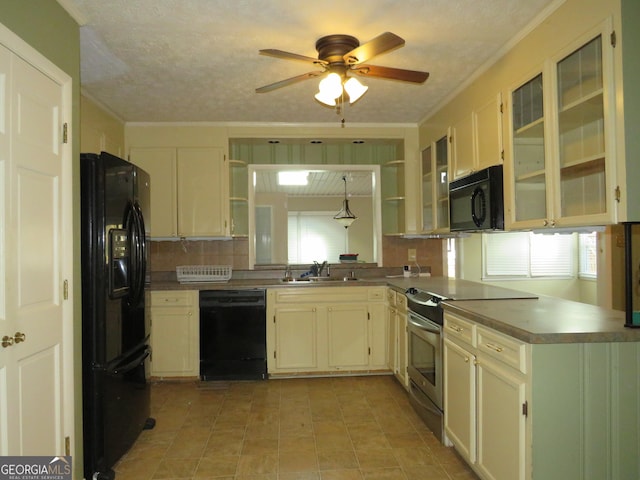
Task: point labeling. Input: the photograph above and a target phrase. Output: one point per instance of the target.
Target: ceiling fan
(344, 56)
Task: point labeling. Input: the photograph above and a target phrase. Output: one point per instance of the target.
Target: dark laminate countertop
(548, 320)
(515, 313)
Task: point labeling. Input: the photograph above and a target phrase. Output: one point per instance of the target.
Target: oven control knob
(412, 290)
(435, 300)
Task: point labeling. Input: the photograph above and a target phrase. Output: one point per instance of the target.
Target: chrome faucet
(321, 267)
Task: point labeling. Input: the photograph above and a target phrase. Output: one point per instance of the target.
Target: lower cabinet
(175, 325)
(397, 314)
(295, 338)
(485, 406)
(326, 329)
(520, 411)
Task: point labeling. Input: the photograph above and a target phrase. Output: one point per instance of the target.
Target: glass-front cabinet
(239, 198)
(529, 166)
(435, 186)
(581, 131)
(559, 128)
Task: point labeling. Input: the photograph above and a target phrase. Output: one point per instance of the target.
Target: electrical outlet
(411, 254)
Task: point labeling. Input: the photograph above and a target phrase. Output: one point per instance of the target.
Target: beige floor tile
(297, 443)
(297, 462)
(375, 459)
(351, 474)
(260, 446)
(341, 428)
(383, 474)
(217, 466)
(257, 464)
(340, 459)
(170, 468)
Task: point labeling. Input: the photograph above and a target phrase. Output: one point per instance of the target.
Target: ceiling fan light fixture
(354, 89)
(329, 89)
(345, 216)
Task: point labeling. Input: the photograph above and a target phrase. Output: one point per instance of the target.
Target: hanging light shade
(345, 217)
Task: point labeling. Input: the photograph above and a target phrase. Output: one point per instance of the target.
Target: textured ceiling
(197, 60)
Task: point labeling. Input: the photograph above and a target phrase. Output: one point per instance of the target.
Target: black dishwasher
(233, 335)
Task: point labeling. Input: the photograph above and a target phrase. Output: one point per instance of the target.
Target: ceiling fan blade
(381, 44)
(403, 75)
(288, 81)
(270, 52)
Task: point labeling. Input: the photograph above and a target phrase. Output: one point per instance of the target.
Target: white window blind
(527, 255)
(588, 259)
(315, 236)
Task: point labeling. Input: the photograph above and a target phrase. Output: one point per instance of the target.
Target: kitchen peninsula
(535, 387)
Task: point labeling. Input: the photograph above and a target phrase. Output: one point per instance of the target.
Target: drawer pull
(455, 328)
(171, 300)
(493, 347)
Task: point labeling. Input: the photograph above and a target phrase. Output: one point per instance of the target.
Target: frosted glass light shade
(354, 89)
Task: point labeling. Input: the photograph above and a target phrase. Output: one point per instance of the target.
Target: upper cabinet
(476, 138)
(560, 140)
(435, 186)
(189, 191)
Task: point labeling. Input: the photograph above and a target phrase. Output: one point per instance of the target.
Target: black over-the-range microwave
(476, 202)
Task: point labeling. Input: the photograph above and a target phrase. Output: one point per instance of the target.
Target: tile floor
(345, 428)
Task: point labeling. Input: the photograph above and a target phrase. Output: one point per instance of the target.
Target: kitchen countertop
(548, 320)
(518, 314)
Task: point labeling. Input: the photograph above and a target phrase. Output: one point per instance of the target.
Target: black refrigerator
(115, 197)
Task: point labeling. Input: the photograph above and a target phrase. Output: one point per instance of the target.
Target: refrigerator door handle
(135, 226)
(127, 367)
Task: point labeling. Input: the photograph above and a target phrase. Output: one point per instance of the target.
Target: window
(528, 255)
(315, 236)
(587, 252)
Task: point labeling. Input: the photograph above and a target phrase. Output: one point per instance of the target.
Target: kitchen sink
(318, 279)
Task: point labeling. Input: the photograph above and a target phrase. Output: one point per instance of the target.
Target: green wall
(49, 29)
(631, 81)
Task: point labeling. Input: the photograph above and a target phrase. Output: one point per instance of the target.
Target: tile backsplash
(166, 256)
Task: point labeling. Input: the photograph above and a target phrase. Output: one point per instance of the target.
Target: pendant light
(345, 217)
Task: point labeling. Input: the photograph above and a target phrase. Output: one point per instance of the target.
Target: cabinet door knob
(7, 341)
(19, 337)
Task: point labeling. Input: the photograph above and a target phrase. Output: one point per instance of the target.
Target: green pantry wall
(50, 30)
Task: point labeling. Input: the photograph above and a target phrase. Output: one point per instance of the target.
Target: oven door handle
(422, 326)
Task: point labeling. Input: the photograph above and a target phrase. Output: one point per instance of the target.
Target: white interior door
(34, 246)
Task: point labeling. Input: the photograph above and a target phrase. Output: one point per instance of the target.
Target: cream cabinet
(397, 314)
(561, 138)
(476, 138)
(175, 326)
(515, 410)
(347, 335)
(295, 341)
(203, 175)
(326, 329)
(160, 164)
(189, 190)
(485, 408)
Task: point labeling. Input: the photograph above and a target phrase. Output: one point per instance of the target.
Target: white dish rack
(203, 273)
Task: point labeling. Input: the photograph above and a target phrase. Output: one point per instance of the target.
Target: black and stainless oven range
(425, 319)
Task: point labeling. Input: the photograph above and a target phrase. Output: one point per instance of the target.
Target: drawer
(391, 296)
(506, 349)
(376, 294)
(174, 298)
(457, 327)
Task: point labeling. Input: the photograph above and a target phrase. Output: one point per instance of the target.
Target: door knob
(19, 337)
(7, 341)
